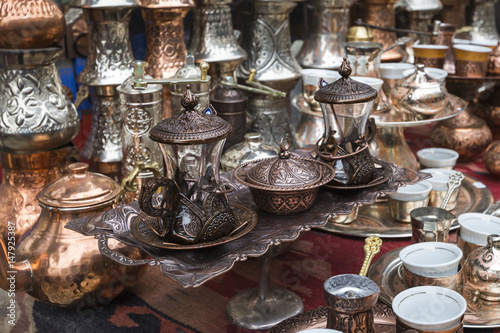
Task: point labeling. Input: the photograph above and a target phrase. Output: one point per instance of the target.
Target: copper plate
(247, 219)
(382, 173)
(376, 220)
(384, 317)
(384, 271)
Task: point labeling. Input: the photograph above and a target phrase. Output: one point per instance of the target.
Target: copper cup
(350, 299)
(471, 60)
(345, 219)
(430, 55)
(466, 247)
(430, 224)
(453, 282)
(401, 327)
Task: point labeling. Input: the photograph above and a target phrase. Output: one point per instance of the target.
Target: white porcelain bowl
(491, 43)
(472, 48)
(437, 157)
(431, 259)
(312, 75)
(437, 73)
(394, 70)
(439, 179)
(429, 308)
(476, 227)
(461, 41)
(371, 81)
(415, 192)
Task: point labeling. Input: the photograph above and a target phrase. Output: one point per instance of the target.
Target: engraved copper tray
(384, 271)
(191, 268)
(247, 219)
(375, 219)
(384, 317)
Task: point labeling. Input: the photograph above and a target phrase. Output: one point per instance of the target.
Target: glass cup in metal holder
(364, 58)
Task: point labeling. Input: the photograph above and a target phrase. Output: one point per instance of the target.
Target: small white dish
(439, 179)
(437, 157)
(371, 81)
(461, 41)
(438, 74)
(431, 259)
(476, 227)
(415, 192)
(394, 70)
(491, 43)
(313, 75)
(429, 308)
(472, 48)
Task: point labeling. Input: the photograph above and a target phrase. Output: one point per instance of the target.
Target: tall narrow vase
(327, 22)
(266, 38)
(166, 50)
(107, 66)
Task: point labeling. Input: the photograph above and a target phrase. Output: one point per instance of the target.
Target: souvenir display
(188, 196)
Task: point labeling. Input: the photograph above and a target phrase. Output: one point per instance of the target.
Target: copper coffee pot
(62, 267)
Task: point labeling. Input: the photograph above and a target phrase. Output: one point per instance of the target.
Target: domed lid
(345, 90)
(419, 79)
(285, 171)
(191, 126)
(79, 188)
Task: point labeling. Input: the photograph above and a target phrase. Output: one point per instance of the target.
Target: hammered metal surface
(376, 220)
(384, 317)
(384, 271)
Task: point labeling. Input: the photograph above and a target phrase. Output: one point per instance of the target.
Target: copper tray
(382, 174)
(192, 268)
(375, 219)
(384, 317)
(384, 271)
(247, 219)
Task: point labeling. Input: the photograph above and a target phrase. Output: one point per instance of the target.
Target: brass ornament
(491, 158)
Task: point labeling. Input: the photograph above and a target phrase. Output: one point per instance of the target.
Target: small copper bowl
(285, 184)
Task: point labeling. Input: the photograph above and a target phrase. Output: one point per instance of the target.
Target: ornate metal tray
(384, 271)
(384, 317)
(401, 118)
(247, 221)
(191, 268)
(375, 219)
(382, 173)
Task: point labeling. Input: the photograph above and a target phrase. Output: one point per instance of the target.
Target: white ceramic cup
(476, 227)
(437, 158)
(429, 308)
(439, 181)
(437, 73)
(394, 70)
(431, 259)
(416, 192)
(371, 81)
(313, 75)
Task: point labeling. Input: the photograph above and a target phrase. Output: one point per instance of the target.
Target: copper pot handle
(117, 256)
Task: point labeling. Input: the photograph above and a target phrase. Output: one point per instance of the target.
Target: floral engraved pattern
(137, 121)
(34, 102)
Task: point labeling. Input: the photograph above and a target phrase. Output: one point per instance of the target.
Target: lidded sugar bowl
(285, 184)
(60, 266)
(482, 270)
(420, 94)
(194, 207)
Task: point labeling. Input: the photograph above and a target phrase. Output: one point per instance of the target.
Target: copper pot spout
(14, 276)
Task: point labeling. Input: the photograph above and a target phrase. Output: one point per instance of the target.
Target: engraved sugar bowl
(194, 208)
(285, 184)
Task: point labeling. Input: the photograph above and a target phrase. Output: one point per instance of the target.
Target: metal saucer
(247, 220)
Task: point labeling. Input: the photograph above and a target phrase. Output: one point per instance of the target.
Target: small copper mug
(350, 299)
(430, 224)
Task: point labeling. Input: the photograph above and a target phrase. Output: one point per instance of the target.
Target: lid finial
(345, 69)
(189, 100)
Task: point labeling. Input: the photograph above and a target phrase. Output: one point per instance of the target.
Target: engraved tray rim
(482, 202)
(380, 272)
(250, 223)
(383, 315)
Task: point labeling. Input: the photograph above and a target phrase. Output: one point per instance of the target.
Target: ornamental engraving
(137, 121)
